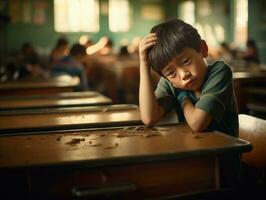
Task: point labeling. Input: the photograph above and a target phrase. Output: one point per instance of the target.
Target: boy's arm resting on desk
(197, 119)
(216, 94)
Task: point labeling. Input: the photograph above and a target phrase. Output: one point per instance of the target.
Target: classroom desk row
(97, 151)
(250, 89)
(68, 118)
(65, 99)
(53, 85)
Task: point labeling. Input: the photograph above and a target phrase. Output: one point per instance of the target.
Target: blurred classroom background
(69, 118)
(40, 39)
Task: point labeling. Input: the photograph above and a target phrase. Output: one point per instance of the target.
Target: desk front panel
(135, 181)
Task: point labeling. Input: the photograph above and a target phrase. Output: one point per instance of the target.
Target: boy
(202, 94)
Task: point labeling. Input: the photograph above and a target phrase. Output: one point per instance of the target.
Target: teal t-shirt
(217, 98)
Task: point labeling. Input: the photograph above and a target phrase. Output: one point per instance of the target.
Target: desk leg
(217, 174)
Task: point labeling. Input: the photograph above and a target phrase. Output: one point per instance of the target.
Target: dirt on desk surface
(94, 138)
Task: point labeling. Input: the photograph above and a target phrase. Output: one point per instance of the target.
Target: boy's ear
(203, 48)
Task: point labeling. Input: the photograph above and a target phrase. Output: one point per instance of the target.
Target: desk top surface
(61, 81)
(249, 75)
(114, 146)
(67, 99)
(61, 95)
(96, 116)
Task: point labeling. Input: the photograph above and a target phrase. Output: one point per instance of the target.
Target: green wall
(220, 15)
(44, 37)
(257, 25)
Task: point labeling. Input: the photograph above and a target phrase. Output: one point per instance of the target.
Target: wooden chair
(253, 182)
(253, 130)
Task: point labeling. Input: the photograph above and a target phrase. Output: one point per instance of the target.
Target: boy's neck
(197, 93)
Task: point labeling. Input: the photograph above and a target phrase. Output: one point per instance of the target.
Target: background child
(73, 65)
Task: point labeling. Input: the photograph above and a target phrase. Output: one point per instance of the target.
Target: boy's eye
(170, 74)
(186, 61)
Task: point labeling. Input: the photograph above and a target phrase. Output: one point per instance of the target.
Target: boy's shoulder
(219, 74)
(219, 66)
(218, 70)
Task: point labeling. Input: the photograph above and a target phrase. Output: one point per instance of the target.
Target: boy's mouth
(189, 82)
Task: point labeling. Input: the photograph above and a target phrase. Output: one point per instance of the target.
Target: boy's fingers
(148, 40)
(149, 36)
(152, 34)
(147, 45)
(151, 39)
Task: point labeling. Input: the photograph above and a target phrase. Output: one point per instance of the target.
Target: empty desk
(67, 99)
(69, 118)
(39, 86)
(250, 88)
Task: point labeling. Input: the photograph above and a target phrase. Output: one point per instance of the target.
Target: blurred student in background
(29, 62)
(60, 50)
(225, 53)
(251, 54)
(73, 65)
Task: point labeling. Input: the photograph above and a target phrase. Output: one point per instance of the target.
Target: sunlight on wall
(76, 15)
(119, 15)
(187, 12)
(214, 35)
(241, 23)
(219, 33)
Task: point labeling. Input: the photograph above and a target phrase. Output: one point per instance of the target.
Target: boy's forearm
(149, 108)
(197, 119)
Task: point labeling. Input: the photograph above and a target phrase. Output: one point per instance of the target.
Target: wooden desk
(245, 80)
(67, 118)
(136, 163)
(39, 86)
(67, 99)
(123, 73)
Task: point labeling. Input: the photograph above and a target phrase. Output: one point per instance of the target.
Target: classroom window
(76, 15)
(119, 15)
(241, 23)
(187, 12)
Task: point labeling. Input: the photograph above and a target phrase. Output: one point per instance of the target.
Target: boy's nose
(185, 75)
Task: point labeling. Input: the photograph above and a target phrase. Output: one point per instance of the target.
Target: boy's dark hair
(77, 49)
(172, 37)
(62, 42)
(251, 43)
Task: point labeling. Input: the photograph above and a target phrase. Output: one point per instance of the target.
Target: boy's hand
(182, 96)
(146, 43)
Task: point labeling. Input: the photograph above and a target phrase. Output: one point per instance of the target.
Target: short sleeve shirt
(217, 98)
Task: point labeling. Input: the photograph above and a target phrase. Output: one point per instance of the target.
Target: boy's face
(187, 70)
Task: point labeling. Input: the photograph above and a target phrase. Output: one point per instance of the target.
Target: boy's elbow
(200, 124)
(198, 127)
(148, 121)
